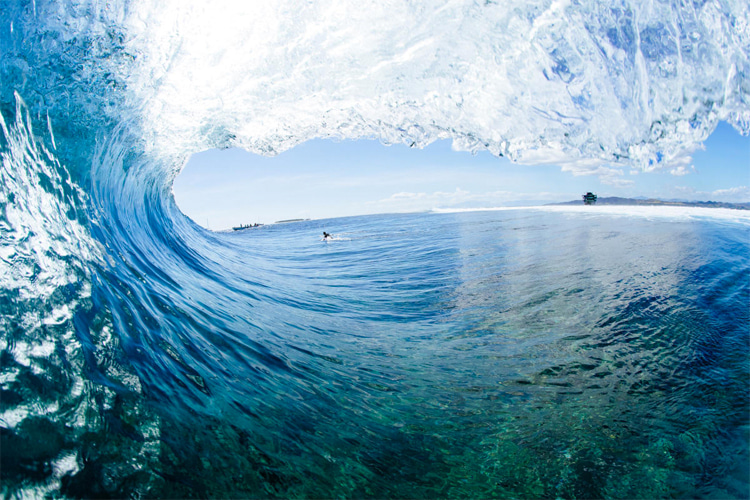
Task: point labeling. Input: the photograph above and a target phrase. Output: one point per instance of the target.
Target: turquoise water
(531, 353)
(520, 353)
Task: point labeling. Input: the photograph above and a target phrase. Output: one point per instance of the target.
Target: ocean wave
(659, 212)
(575, 84)
(418, 355)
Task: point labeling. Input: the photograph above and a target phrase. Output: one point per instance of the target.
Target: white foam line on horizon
(660, 211)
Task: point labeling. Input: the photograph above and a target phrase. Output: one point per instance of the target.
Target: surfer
(327, 236)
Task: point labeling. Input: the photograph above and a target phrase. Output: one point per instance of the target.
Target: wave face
(513, 353)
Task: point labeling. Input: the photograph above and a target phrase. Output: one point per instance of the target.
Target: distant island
(615, 200)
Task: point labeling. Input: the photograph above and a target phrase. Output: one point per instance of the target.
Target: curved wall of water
(136, 345)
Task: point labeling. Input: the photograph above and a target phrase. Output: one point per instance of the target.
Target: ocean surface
(585, 352)
(517, 353)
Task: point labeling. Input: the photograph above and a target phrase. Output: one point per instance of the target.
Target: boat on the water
(589, 198)
(246, 226)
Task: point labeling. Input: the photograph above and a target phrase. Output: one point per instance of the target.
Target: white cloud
(739, 192)
(733, 194)
(681, 165)
(404, 196)
(616, 182)
(679, 171)
(576, 166)
(610, 176)
(409, 202)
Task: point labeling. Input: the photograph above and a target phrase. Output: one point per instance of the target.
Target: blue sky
(323, 178)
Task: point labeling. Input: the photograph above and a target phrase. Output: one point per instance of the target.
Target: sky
(322, 179)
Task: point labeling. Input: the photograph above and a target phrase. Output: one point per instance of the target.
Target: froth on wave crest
(578, 84)
(661, 212)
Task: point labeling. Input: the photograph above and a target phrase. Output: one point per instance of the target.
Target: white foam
(648, 212)
(574, 83)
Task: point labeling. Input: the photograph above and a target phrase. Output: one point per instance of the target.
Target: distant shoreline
(614, 200)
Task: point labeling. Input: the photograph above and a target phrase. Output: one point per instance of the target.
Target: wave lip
(574, 84)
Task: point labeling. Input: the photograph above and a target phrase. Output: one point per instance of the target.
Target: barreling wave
(585, 83)
(136, 345)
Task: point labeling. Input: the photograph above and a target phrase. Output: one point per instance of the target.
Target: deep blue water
(521, 353)
(512, 354)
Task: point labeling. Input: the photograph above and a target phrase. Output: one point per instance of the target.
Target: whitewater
(526, 353)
